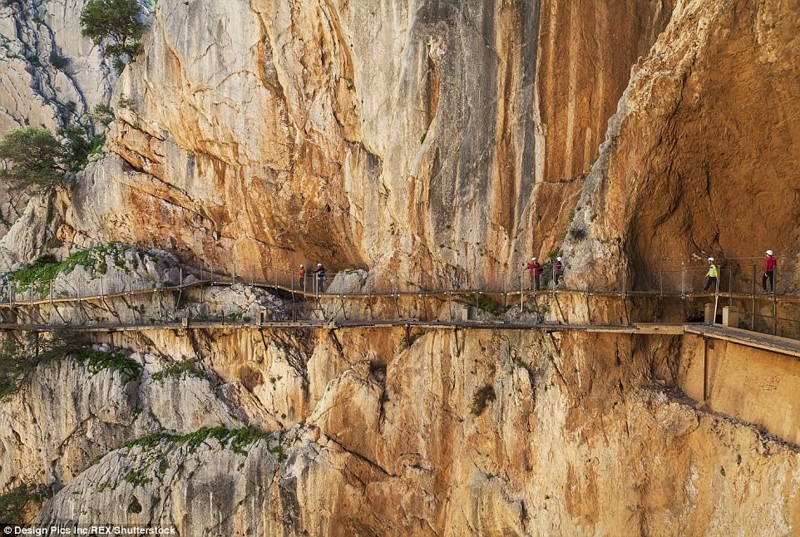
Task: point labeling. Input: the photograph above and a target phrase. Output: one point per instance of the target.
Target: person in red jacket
(535, 269)
(770, 263)
(301, 274)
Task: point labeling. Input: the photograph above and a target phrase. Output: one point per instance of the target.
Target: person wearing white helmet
(770, 264)
(320, 280)
(558, 271)
(535, 269)
(712, 274)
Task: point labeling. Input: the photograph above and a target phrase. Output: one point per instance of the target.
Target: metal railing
(686, 282)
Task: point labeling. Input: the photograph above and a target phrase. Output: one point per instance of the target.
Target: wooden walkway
(741, 337)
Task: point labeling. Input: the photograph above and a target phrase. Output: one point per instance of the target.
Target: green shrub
(116, 24)
(481, 399)
(78, 146)
(46, 269)
(184, 369)
(31, 157)
(235, 439)
(103, 114)
(13, 503)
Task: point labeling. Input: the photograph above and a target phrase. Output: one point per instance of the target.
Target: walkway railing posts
(624, 283)
(683, 282)
(588, 310)
(753, 305)
(234, 265)
(774, 315)
(449, 297)
(716, 301)
(730, 286)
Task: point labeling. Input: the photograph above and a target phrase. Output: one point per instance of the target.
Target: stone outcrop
(701, 158)
(431, 153)
(453, 433)
(422, 144)
(51, 76)
(70, 413)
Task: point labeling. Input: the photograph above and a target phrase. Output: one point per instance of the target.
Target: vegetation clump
(14, 504)
(235, 439)
(32, 157)
(45, 269)
(117, 25)
(481, 399)
(19, 357)
(100, 360)
(184, 369)
(488, 305)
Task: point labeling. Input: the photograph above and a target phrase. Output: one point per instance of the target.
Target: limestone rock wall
(395, 437)
(423, 140)
(51, 76)
(69, 414)
(701, 158)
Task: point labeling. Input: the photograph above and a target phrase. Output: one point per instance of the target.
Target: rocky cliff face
(702, 151)
(433, 143)
(443, 433)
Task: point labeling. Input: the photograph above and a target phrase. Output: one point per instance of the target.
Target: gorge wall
(576, 433)
(432, 143)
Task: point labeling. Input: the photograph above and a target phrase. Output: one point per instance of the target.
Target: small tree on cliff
(31, 156)
(117, 23)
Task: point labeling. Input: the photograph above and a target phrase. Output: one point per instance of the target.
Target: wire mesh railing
(685, 281)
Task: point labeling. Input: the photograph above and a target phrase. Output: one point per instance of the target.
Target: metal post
(753, 307)
(716, 300)
(774, 314)
(624, 283)
(180, 278)
(730, 286)
(683, 282)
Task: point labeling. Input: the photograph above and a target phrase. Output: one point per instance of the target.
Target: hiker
(558, 271)
(712, 274)
(302, 276)
(535, 269)
(770, 264)
(320, 273)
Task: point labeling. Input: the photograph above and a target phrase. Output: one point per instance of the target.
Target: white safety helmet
(533, 259)
(319, 264)
(711, 259)
(558, 259)
(769, 252)
(302, 265)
